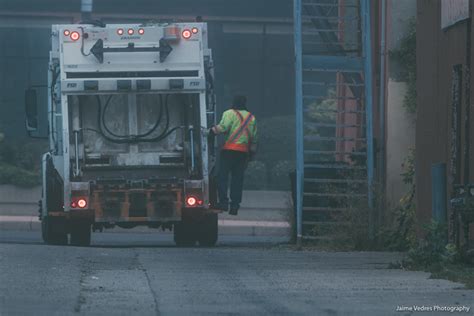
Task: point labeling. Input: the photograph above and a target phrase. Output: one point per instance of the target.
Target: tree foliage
(19, 163)
(405, 55)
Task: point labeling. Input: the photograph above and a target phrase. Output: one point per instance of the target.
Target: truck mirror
(31, 110)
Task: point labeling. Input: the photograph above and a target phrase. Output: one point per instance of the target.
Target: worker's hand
(216, 129)
(208, 132)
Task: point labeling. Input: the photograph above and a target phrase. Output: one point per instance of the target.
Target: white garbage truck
(128, 111)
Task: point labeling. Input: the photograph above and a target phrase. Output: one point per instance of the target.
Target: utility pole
(299, 121)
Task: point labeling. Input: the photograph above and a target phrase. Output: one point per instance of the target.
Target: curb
(226, 226)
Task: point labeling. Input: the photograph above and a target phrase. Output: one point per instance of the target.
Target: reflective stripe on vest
(231, 142)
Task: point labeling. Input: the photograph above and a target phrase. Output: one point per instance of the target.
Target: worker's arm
(224, 125)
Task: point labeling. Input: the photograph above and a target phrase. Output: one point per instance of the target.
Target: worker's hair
(239, 102)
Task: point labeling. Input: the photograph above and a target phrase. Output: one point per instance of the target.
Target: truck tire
(184, 234)
(81, 234)
(208, 230)
(50, 236)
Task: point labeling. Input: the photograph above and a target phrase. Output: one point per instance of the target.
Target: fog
(252, 49)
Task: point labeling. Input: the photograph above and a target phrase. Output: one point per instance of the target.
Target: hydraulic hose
(133, 139)
(155, 126)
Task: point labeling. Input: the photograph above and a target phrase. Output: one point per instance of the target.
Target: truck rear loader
(128, 110)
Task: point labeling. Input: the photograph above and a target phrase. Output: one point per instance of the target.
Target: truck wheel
(49, 235)
(81, 234)
(184, 234)
(208, 230)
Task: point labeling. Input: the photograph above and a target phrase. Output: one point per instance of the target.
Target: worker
(240, 129)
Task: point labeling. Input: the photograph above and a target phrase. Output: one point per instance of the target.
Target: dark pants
(233, 163)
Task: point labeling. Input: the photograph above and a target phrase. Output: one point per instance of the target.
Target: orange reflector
(82, 203)
(195, 30)
(172, 33)
(75, 36)
(186, 34)
(191, 201)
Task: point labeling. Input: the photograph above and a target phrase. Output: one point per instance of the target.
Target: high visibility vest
(239, 137)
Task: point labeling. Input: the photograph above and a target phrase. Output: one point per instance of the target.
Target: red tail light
(79, 202)
(141, 31)
(82, 203)
(75, 36)
(67, 32)
(191, 201)
(120, 31)
(130, 31)
(195, 30)
(186, 34)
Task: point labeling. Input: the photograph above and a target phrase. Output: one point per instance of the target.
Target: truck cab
(129, 107)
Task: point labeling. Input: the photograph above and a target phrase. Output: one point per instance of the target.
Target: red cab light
(195, 30)
(141, 31)
(75, 36)
(66, 32)
(186, 34)
(130, 31)
(191, 201)
(120, 31)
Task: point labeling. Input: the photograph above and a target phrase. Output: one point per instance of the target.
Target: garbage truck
(128, 112)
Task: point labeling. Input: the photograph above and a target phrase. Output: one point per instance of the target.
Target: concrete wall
(19, 201)
(400, 138)
(400, 127)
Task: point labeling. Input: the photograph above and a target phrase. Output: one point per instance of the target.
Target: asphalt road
(144, 274)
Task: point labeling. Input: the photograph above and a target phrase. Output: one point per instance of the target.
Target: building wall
(437, 52)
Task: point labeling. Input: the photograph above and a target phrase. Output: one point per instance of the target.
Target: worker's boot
(234, 208)
(224, 207)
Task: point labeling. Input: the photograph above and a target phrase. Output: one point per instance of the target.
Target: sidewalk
(262, 213)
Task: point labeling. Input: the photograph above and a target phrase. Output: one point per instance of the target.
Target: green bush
(402, 234)
(280, 175)
(432, 251)
(276, 154)
(276, 139)
(17, 176)
(20, 162)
